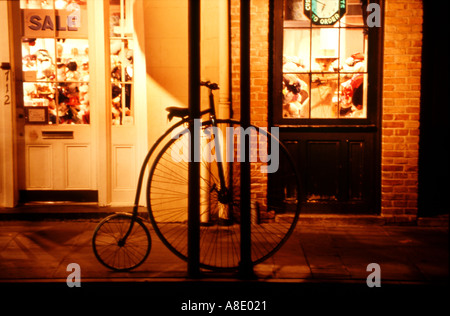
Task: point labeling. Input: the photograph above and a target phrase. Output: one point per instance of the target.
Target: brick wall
(259, 66)
(401, 108)
(259, 60)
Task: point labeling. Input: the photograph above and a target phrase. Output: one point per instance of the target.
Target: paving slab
(318, 258)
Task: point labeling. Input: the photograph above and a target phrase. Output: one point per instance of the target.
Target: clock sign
(325, 12)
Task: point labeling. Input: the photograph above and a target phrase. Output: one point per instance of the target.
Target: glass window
(324, 60)
(122, 63)
(55, 61)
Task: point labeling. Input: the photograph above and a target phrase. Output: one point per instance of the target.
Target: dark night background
(434, 116)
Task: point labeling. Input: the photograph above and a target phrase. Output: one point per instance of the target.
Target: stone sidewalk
(42, 249)
(325, 256)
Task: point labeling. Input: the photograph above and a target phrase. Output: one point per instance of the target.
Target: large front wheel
(274, 194)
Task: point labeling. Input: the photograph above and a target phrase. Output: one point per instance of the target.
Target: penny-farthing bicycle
(121, 241)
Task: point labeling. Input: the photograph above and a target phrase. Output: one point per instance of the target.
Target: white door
(80, 121)
(56, 139)
(128, 98)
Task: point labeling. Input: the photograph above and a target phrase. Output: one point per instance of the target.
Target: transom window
(324, 62)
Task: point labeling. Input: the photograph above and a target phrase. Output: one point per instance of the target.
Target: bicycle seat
(177, 112)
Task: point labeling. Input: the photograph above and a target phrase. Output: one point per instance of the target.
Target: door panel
(124, 164)
(39, 167)
(355, 170)
(124, 167)
(58, 159)
(78, 167)
(322, 182)
(337, 170)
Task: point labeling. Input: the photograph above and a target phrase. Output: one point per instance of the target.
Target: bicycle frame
(220, 212)
(212, 112)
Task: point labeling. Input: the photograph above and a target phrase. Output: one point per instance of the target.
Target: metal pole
(194, 164)
(246, 267)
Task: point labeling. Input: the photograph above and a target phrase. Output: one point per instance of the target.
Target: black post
(246, 267)
(194, 164)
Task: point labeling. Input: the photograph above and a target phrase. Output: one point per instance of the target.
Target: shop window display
(55, 69)
(122, 62)
(121, 81)
(324, 66)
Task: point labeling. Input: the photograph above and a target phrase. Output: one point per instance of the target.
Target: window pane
(354, 16)
(296, 95)
(122, 62)
(120, 17)
(38, 59)
(325, 49)
(296, 50)
(73, 103)
(40, 95)
(37, 4)
(352, 50)
(324, 96)
(121, 104)
(73, 60)
(352, 96)
(293, 11)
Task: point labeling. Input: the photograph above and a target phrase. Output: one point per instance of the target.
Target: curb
(67, 211)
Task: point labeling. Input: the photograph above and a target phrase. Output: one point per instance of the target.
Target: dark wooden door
(338, 170)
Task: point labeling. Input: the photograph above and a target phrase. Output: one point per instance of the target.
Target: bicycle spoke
(167, 197)
(112, 250)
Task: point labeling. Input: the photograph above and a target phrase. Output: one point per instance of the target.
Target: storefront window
(55, 62)
(121, 45)
(324, 60)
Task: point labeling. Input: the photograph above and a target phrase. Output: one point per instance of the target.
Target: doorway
(326, 102)
(77, 118)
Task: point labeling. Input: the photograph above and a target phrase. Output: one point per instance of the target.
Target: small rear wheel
(115, 252)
